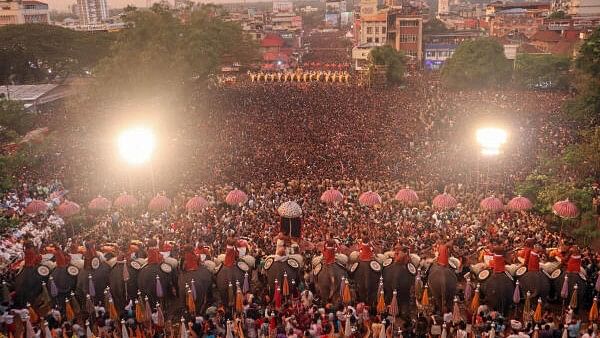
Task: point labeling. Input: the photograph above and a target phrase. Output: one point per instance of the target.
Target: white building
(92, 11)
(373, 29)
(283, 6)
(584, 7)
(20, 12)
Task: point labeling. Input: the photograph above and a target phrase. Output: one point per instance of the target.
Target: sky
(63, 5)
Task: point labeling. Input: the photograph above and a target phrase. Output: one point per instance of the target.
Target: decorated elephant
(93, 278)
(398, 276)
(563, 286)
(442, 282)
(281, 267)
(227, 275)
(62, 281)
(365, 275)
(328, 277)
(158, 280)
(497, 289)
(535, 281)
(28, 284)
(197, 278)
(123, 280)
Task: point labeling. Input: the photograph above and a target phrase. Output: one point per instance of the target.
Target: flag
(425, 298)
(564, 291)
(394, 304)
(593, 316)
(124, 332)
(468, 290)
(347, 296)
(573, 303)
(286, 285)
(160, 317)
(91, 287)
(537, 315)
(380, 303)
(159, 288)
(189, 302)
(69, 311)
(112, 310)
(517, 294)
(475, 301)
(53, 287)
(246, 284)
(139, 312)
(527, 308)
(456, 317)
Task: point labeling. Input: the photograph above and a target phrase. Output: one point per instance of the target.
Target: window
(369, 40)
(409, 23)
(369, 30)
(376, 40)
(382, 30)
(376, 30)
(411, 53)
(430, 53)
(408, 38)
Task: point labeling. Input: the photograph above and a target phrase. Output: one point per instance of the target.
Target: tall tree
(584, 108)
(534, 70)
(392, 59)
(477, 63)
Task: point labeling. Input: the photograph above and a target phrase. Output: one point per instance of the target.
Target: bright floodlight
(136, 145)
(491, 139)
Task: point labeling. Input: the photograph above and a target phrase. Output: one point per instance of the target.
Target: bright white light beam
(136, 145)
(491, 139)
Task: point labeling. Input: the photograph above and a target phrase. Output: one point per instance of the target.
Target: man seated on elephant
(443, 252)
(154, 256)
(62, 259)
(499, 261)
(203, 251)
(574, 260)
(231, 252)
(281, 246)
(330, 248)
(533, 261)
(365, 250)
(525, 252)
(32, 257)
(401, 254)
(191, 262)
(90, 253)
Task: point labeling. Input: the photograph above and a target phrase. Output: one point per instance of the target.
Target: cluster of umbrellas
(236, 197)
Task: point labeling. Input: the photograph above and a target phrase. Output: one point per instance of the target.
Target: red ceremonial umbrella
(519, 203)
(196, 204)
(444, 201)
(159, 203)
(369, 198)
(236, 197)
(125, 201)
(332, 196)
(492, 204)
(565, 209)
(68, 209)
(36, 207)
(99, 203)
(407, 196)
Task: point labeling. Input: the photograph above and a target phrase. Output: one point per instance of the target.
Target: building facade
(405, 34)
(21, 12)
(373, 29)
(92, 11)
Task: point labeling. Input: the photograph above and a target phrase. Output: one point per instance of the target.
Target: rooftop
(27, 92)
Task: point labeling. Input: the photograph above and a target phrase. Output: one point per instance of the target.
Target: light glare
(491, 137)
(136, 145)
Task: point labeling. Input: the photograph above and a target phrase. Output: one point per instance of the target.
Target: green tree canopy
(534, 70)
(434, 26)
(14, 120)
(394, 60)
(477, 63)
(33, 53)
(160, 55)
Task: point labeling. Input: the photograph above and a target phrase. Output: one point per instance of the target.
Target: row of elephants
(213, 282)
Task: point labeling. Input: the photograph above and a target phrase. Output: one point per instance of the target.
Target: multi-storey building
(405, 33)
(92, 11)
(20, 12)
(373, 29)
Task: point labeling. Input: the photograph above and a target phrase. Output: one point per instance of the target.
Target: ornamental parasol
(159, 203)
(236, 197)
(68, 209)
(99, 204)
(369, 199)
(36, 207)
(492, 204)
(444, 201)
(125, 201)
(290, 209)
(565, 209)
(407, 196)
(331, 196)
(519, 203)
(196, 204)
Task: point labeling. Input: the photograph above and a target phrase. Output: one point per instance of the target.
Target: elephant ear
(268, 263)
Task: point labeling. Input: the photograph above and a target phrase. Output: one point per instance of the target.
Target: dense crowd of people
(283, 142)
